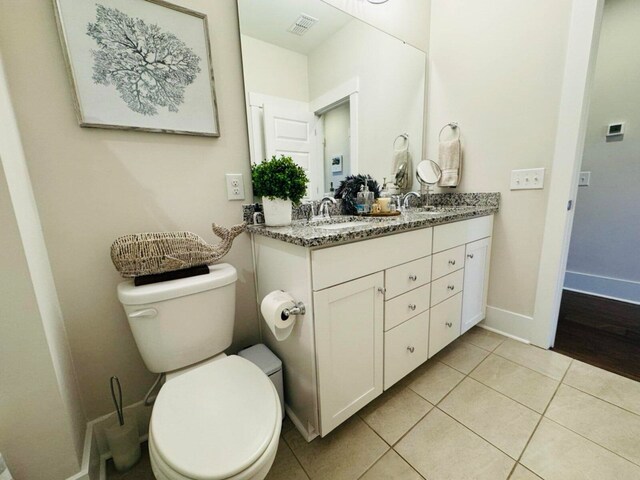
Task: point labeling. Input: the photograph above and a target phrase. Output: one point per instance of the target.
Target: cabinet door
(476, 279)
(349, 347)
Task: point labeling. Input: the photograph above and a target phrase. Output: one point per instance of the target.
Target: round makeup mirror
(428, 172)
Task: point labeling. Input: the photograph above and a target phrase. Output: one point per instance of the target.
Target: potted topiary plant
(280, 182)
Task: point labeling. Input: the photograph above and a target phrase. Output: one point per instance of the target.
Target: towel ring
(453, 126)
(402, 135)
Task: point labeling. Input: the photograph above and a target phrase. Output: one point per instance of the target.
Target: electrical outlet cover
(235, 186)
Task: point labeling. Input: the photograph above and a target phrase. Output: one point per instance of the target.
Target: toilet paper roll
(272, 308)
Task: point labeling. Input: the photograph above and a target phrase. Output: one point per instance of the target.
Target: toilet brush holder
(124, 444)
(122, 437)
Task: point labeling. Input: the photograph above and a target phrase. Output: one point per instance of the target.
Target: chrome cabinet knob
(412, 306)
(470, 255)
(452, 262)
(449, 324)
(382, 290)
(413, 278)
(411, 349)
(451, 287)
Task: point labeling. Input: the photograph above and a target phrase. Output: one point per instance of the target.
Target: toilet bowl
(218, 421)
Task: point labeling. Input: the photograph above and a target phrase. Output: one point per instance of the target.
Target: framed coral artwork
(139, 65)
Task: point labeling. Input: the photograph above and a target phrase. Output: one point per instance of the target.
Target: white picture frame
(140, 65)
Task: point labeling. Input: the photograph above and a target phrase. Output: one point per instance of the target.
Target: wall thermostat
(615, 129)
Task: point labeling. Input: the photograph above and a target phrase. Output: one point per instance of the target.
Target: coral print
(149, 67)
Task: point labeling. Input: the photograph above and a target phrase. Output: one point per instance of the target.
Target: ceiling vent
(302, 24)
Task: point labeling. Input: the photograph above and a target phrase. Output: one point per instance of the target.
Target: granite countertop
(311, 234)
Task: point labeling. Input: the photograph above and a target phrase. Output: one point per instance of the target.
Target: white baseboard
(504, 334)
(90, 467)
(606, 287)
(96, 450)
(510, 324)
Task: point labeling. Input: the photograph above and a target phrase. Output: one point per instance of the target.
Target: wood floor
(601, 332)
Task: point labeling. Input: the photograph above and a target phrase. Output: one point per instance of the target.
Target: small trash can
(271, 365)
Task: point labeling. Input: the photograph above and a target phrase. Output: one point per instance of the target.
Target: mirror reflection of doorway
(337, 146)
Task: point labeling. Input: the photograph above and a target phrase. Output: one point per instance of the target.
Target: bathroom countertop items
(316, 234)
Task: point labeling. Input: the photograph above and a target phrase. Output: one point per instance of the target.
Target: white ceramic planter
(277, 212)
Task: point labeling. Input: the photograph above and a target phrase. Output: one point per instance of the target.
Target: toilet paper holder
(299, 309)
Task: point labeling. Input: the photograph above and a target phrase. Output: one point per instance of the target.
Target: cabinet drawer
(447, 286)
(334, 265)
(405, 277)
(458, 233)
(447, 262)
(405, 348)
(445, 323)
(405, 306)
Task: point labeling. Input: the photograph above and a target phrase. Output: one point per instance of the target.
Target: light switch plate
(235, 186)
(584, 179)
(527, 179)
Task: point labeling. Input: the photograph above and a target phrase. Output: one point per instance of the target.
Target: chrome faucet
(323, 207)
(407, 196)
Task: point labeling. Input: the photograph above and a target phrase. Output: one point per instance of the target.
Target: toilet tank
(181, 322)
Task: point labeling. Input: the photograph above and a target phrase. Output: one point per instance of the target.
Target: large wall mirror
(337, 95)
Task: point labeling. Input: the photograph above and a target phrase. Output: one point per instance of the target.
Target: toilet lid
(216, 420)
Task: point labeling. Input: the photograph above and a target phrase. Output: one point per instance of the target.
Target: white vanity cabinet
(376, 309)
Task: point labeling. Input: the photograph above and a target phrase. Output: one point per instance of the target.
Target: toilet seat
(219, 421)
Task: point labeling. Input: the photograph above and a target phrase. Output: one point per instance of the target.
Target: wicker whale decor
(153, 253)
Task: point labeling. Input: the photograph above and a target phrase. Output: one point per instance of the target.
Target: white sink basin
(340, 226)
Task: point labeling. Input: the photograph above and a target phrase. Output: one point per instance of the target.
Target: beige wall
(406, 19)
(496, 68)
(35, 435)
(93, 185)
(273, 70)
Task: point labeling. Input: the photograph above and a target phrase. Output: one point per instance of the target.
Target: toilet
(217, 416)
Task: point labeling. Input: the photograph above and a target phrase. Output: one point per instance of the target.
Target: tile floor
(486, 407)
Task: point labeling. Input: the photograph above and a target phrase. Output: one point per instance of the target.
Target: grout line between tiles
(510, 398)
(478, 435)
(533, 432)
(484, 348)
(296, 456)
(537, 371)
(600, 398)
(592, 441)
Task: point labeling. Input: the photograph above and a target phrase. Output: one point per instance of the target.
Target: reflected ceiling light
(376, 2)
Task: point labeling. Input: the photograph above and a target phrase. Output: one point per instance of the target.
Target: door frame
(348, 91)
(579, 72)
